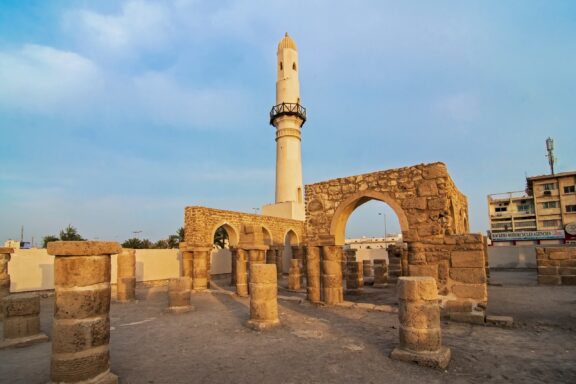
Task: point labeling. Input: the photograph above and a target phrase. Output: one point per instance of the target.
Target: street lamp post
(385, 230)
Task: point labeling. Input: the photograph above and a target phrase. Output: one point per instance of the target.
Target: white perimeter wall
(512, 257)
(33, 269)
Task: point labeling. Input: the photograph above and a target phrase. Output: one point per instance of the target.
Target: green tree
(173, 241)
(181, 234)
(221, 238)
(161, 244)
(48, 239)
(147, 244)
(70, 234)
(133, 243)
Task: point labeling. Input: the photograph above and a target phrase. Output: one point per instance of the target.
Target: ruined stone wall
(201, 223)
(457, 262)
(556, 265)
(424, 197)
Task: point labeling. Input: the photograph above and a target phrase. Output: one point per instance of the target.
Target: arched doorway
(224, 237)
(290, 240)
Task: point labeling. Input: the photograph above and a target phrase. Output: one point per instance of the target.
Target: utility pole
(22, 233)
(550, 156)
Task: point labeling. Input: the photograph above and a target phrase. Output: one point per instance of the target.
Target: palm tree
(221, 238)
(70, 234)
(133, 243)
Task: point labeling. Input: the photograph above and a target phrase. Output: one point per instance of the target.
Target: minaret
(288, 116)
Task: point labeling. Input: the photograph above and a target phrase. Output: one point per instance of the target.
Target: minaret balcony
(288, 109)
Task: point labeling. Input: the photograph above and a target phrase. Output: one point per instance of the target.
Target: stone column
(349, 255)
(4, 276)
(394, 263)
(279, 253)
(126, 276)
(271, 256)
(257, 256)
(81, 330)
(200, 271)
(354, 278)
(298, 253)
(367, 268)
(332, 274)
(380, 273)
(241, 273)
(21, 320)
(179, 295)
(419, 313)
(233, 253)
(313, 274)
(187, 264)
(263, 297)
(294, 277)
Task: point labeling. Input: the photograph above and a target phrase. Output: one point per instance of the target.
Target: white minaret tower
(288, 116)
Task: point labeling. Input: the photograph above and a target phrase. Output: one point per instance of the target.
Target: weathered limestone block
(556, 266)
(179, 295)
(467, 259)
(354, 277)
(380, 273)
(367, 268)
(126, 276)
(430, 270)
(21, 320)
(313, 272)
(81, 331)
(332, 275)
(294, 277)
(200, 258)
(419, 315)
(257, 256)
(241, 273)
(263, 297)
(187, 263)
(4, 276)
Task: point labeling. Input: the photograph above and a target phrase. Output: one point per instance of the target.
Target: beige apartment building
(543, 214)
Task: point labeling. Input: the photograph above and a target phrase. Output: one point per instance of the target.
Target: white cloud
(44, 79)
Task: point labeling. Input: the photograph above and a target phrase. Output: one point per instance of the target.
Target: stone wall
(458, 265)
(556, 265)
(424, 197)
(201, 223)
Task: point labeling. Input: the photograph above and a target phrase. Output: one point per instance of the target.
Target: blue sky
(115, 115)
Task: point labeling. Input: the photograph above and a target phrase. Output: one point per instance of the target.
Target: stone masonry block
(263, 273)
(78, 335)
(568, 280)
(427, 188)
(415, 288)
(81, 271)
(470, 291)
(423, 270)
(420, 339)
(559, 255)
(21, 326)
(80, 304)
(83, 248)
(547, 270)
(549, 280)
(467, 259)
(419, 315)
(21, 305)
(468, 275)
(81, 366)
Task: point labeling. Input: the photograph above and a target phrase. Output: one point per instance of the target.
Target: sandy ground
(324, 345)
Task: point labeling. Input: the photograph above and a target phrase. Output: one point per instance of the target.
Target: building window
(549, 187)
(501, 209)
(570, 189)
(551, 223)
(550, 204)
(571, 208)
(523, 207)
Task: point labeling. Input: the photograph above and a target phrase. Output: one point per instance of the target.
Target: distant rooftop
(562, 174)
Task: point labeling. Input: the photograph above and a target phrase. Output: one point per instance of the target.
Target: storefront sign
(531, 235)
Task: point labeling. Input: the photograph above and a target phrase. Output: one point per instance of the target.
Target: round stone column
(200, 272)
(367, 268)
(279, 253)
(187, 264)
(313, 274)
(354, 278)
(419, 313)
(263, 297)
(257, 256)
(21, 320)
(380, 273)
(126, 275)
(233, 254)
(332, 274)
(179, 295)
(241, 273)
(4, 276)
(81, 330)
(294, 277)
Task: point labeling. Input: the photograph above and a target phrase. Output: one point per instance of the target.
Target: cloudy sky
(115, 115)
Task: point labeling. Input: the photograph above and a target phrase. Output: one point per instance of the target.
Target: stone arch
(233, 233)
(267, 235)
(347, 206)
(293, 236)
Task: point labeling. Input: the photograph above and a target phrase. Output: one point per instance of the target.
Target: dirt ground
(324, 345)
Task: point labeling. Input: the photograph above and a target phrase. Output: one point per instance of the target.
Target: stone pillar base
(104, 378)
(126, 301)
(178, 310)
(438, 359)
(23, 341)
(262, 325)
(379, 286)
